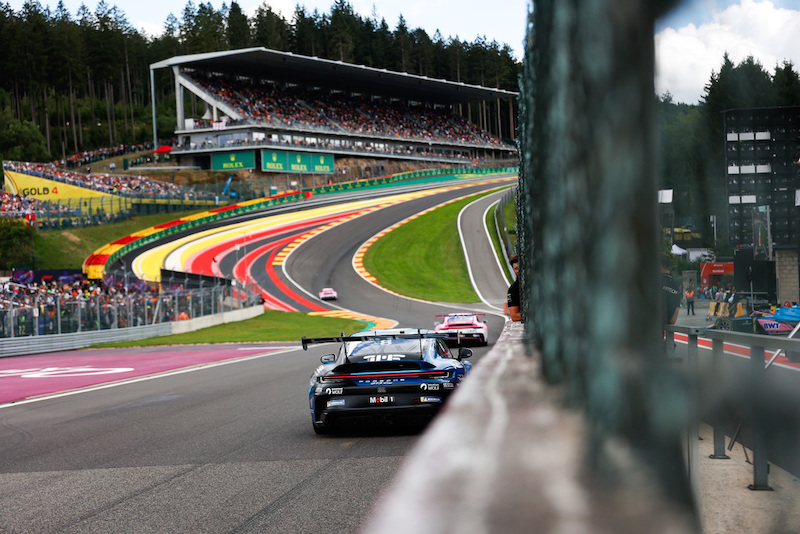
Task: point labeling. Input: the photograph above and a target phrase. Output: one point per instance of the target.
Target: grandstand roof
(313, 71)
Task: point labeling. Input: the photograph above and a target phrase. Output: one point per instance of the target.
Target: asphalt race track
(196, 440)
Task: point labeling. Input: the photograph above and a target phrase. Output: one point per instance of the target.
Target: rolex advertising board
(299, 162)
(322, 163)
(272, 161)
(276, 161)
(233, 161)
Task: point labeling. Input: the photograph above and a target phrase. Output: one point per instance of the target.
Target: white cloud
(686, 57)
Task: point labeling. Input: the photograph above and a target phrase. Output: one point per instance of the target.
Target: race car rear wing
(368, 337)
(465, 313)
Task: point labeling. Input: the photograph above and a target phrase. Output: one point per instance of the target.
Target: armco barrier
(19, 346)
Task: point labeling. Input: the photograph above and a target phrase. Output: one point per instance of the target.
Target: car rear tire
(320, 428)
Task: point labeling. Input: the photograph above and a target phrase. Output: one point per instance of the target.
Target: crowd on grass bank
(122, 185)
(87, 157)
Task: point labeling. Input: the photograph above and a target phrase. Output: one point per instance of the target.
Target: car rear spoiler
(368, 337)
(463, 313)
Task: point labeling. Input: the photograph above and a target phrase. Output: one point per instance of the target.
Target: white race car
(461, 328)
(328, 293)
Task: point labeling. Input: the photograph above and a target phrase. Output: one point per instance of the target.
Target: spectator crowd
(72, 304)
(123, 185)
(82, 159)
(300, 108)
(26, 309)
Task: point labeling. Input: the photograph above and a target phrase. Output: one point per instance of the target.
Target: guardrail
(19, 346)
(744, 397)
(79, 340)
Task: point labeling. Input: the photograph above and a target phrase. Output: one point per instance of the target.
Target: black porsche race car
(385, 377)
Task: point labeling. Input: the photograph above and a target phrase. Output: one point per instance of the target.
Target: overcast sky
(690, 41)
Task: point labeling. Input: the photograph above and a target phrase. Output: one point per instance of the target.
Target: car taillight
(386, 376)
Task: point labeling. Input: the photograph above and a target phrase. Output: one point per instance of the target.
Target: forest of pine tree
(82, 81)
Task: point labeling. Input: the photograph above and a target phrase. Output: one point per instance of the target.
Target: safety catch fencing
(741, 395)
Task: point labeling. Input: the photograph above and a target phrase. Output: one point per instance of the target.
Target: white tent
(678, 251)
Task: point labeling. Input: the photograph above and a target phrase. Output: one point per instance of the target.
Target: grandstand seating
(306, 109)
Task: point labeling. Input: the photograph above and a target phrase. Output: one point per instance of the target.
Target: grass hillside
(67, 249)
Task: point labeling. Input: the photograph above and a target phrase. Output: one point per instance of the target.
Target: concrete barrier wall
(506, 455)
(190, 325)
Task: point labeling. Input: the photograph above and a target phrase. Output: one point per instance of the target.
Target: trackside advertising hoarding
(277, 161)
(233, 161)
(18, 183)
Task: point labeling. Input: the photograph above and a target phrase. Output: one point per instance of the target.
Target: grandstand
(272, 111)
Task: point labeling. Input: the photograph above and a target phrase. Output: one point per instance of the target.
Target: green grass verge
(67, 249)
(423, 258)
(272, 326)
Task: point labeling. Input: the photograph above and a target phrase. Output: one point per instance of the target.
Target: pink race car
(461, 328)
(328, 293)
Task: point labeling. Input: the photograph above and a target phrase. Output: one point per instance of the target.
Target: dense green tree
(342, 24)
(210, 28)
(675, 120)
(305, 36)
(168, 43)
(21, 141)
(786, 84)
(456, 54)
(238, 27)
(439, 57)
(402, 48)
(270, 30)
(16, 244)
(422, 53)
(381, 45)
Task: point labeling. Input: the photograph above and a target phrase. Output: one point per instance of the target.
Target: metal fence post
(717, 348)
(693, 432)
(760, 460)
